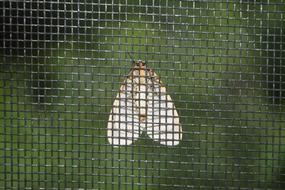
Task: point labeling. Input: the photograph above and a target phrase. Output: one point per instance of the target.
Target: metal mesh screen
(63, 62)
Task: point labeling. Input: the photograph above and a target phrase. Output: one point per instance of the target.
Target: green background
(222, 64)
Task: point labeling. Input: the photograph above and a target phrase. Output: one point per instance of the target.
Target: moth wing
(162, 117)
(123, 124)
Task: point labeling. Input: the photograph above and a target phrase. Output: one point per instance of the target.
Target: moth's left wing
(124, 124)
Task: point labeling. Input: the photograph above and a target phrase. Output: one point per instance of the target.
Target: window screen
(62, 64)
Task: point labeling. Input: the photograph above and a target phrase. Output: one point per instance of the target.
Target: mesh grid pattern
(62, 64)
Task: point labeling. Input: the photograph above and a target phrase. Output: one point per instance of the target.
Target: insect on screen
(142, 94)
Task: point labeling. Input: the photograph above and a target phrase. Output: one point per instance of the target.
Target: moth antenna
(132, 58)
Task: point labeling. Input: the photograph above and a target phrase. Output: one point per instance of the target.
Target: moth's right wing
(123, 124)
(163, 123)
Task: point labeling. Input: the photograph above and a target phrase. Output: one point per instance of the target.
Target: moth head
(140, 63)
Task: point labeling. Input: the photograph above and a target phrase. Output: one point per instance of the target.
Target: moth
(142, 105)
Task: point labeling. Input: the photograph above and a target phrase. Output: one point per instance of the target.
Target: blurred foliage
(222, 64)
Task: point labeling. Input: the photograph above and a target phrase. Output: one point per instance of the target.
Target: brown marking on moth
(142, 117)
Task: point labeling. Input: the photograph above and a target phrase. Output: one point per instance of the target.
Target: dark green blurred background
(62, 64)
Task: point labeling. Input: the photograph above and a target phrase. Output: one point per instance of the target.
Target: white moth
(143, 105)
